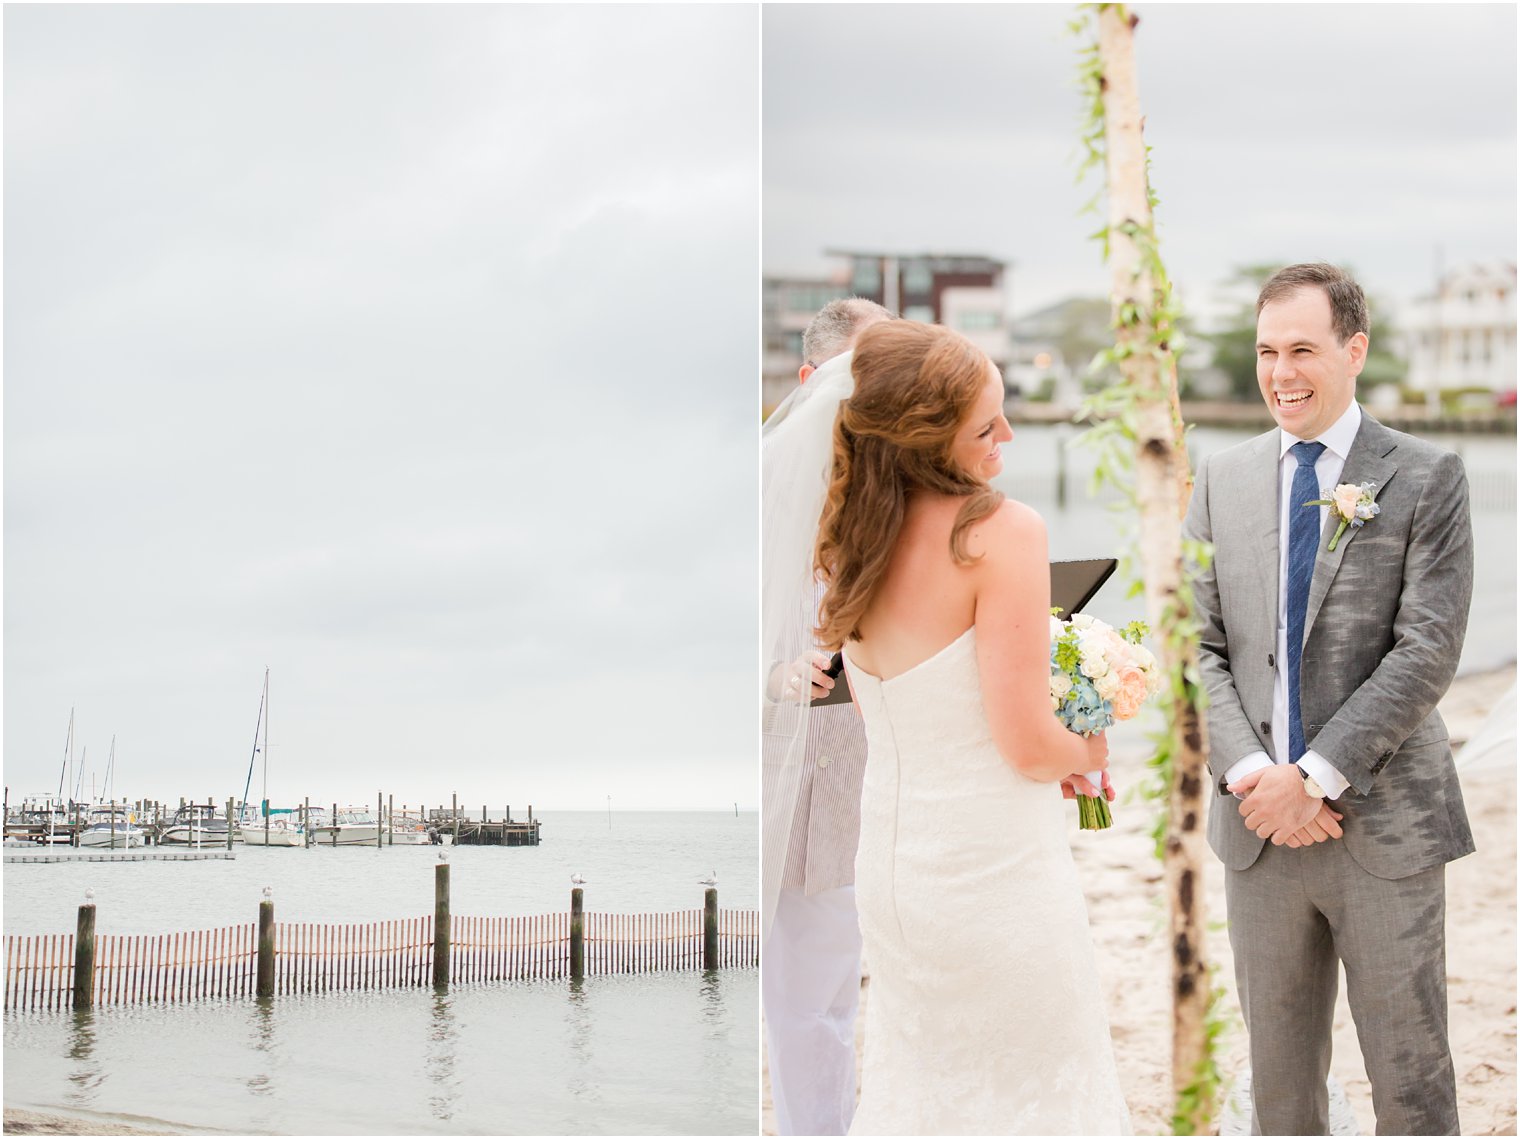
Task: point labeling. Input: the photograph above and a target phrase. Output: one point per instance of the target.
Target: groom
(810, 985)
(1325, 650)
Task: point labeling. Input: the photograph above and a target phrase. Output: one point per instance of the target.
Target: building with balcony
(1463, 336)
(963, 292)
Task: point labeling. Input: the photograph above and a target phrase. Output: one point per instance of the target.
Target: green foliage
(1067, 658)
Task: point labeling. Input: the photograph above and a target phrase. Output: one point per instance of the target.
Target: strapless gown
(985, 1014)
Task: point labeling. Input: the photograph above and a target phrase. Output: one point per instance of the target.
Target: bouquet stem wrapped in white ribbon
(1098, 675)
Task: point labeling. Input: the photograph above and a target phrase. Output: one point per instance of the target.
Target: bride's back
(925, 599)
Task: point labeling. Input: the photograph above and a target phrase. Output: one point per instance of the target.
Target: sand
(1122, 881)
(21, 1122)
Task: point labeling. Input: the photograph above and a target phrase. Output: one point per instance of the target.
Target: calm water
(1087, 529)
(672, 1054)
(646, 861)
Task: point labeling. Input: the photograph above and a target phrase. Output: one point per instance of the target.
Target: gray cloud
(408, 351)
(1370, 135)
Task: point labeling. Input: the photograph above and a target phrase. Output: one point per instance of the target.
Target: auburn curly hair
(915, 386)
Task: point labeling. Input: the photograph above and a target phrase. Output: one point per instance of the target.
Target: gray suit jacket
(1386, 616)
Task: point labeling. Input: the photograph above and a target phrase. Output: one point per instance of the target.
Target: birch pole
(1144, 331)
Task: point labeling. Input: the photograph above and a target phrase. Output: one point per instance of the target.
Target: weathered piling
(441, 930)
(710, 928)
(306, 821)
(84, 958)
(379, 819)
(229, 824)
(265, 988)
(390, 815)
(577, 935)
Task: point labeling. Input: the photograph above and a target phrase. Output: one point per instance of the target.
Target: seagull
(269, 892)
(89, 894)
(577, 880)
(710, 880)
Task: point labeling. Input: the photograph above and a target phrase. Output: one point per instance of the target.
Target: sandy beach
(19, 1121)
(1122, 881)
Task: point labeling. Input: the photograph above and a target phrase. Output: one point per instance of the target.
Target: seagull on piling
(710, 880)
(577, 880)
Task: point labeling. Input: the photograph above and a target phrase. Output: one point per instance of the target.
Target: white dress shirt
(1337, 439)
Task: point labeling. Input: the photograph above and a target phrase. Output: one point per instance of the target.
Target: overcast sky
(408, 351)
(1372, 135)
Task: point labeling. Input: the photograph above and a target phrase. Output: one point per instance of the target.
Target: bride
(985, 1012)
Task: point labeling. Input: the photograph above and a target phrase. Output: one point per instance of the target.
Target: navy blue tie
(1303, 544)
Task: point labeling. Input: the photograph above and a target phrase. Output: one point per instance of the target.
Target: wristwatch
(1311, 788)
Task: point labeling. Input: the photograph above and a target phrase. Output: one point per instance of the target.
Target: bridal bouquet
(1098, 675)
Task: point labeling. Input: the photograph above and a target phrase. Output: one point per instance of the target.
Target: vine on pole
(1139, 436)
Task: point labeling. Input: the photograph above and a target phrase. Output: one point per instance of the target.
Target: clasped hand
(1276, 808)
(789, 678)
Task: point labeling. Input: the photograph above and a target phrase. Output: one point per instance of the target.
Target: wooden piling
(379, 819)
(229, 824)
(441, 929)
(266, 950)
(84, 958)
(577, 936)
(334, 821)
(710, 928)
(390, 812)
(306, 821)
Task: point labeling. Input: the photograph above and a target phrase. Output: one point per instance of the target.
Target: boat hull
(257, 836)
(121, 840)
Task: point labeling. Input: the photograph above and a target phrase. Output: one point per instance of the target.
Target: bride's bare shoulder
(1013, 530)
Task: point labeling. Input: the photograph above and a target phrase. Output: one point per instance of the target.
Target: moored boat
(197, 824)
(112, 828)
(353, 826)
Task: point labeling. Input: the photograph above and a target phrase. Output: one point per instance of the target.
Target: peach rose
(1132, 692)
(1346, 496)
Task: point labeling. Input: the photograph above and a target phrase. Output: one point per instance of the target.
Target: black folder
(1072, 585)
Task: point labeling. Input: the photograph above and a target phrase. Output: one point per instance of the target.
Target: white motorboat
(197, 824)
(281, 831)
(409, 832)
(112, 828)
(353, 826)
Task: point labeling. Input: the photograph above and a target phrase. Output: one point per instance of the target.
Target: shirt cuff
(1243, 767)
(1321, 772)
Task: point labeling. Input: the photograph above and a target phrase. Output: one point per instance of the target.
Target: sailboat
(265, 828)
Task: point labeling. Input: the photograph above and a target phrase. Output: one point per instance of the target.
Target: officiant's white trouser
(810, 988)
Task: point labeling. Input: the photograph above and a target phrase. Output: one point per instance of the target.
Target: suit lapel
(1263, 485)
(1370, 460)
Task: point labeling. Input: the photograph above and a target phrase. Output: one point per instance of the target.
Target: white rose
(1094, 664)
(1060, 685)
(1107, 685)
(1081, 621)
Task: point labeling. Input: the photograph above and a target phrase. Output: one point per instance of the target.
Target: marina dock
(135, 854)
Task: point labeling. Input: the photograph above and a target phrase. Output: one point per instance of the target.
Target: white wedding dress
(984, 1014)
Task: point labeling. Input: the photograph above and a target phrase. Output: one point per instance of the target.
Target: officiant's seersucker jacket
(1387, 613)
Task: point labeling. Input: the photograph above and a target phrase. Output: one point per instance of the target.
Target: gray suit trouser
(1293, 915)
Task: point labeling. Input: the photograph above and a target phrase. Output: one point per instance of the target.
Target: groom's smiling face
(1307, 376)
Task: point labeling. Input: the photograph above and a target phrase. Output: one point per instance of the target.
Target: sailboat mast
(66, 769)
(108, 784)
(266, 749)
(259, 723)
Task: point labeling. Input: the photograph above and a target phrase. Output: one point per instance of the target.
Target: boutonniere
(1352, 503)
